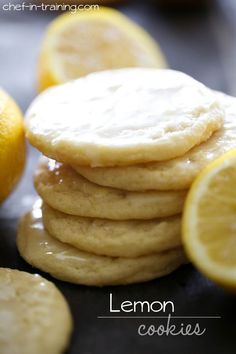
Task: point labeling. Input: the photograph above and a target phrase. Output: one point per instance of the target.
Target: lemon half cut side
(76, 44)
(209, 221)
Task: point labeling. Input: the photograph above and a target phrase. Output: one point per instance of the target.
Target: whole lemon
(12, 144)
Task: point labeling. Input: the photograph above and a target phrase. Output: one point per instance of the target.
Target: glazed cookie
(34, 316)
(68, 263)
(123, 117)
(174, 174)
(65, 190)
(131, 238)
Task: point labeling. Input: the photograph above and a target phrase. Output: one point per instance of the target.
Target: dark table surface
(200, 43)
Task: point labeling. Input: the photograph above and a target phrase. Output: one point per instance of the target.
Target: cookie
(123, 117)
(131, 238)
(68, 263)
(34, 316)
(65, 190)
(174, 174)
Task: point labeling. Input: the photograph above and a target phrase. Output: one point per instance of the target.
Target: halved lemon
(77, 44)
(209, 221)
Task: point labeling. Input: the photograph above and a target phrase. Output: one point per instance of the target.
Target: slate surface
(200, 43)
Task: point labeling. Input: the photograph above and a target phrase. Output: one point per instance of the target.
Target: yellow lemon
(209, 221)
(77, 44)
(12, 144)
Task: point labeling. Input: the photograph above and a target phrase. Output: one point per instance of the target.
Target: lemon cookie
(130, 238)
(34, 316)
(122, 117)
(174, 174)
(68, 263)
(65, 190)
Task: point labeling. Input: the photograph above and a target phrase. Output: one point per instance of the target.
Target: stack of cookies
(122, 147)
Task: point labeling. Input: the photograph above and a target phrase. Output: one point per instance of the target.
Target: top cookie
(123, 117)
(174, 174)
